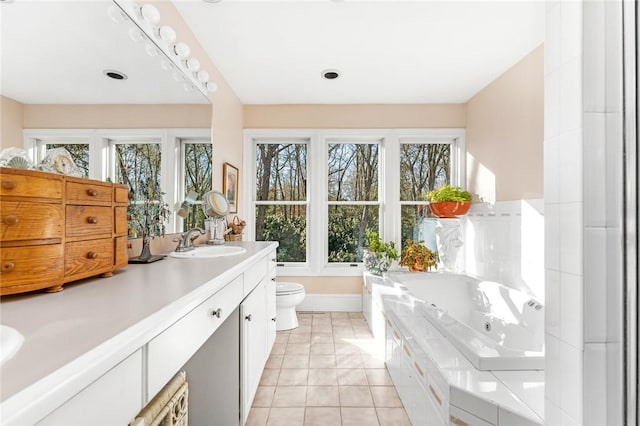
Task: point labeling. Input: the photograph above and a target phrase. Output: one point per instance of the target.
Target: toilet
(288, 296)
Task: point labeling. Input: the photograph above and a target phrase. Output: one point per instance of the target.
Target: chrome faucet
(185, 242)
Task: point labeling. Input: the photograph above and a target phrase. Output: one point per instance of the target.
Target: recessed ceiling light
(116, 75)
(330, 74)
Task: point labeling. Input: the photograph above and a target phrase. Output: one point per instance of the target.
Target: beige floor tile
(359, 416)
(339, 315)
(302, 329)
(257, 416)
(300, 338)
(322, 348)
(322, 361)
(269, 377)
(321, 322)
(340, 321)
(264, 396)
(349, 361)
(385, 396)
(293, 377)
(282, 337)
(295, 361)
(297, 349)
(323, 396)
(289, 396)
(286, 417)
(322, 315)
(322, 416)
(322, 328)
(343, 330)
(373, 361)
(274, 361)
(351, 377)
(347, 348)
(323, 376)
(326, 338)
(304, 319)
(361, 331)
(393, 417)
(357, 315)
(278, 348)
(360, 322)
(355, 396)
(378, 377)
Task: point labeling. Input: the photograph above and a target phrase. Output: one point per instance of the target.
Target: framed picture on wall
(230, 186)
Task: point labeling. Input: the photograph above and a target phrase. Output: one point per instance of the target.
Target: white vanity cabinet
(113, 399)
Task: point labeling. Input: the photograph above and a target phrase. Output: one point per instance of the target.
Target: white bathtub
(494, 326)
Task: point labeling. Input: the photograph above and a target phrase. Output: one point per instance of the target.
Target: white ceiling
(388, 51)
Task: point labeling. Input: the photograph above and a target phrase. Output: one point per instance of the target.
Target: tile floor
(326, 372)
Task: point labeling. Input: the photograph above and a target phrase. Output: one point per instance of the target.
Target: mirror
(58, 52)
(215, 204)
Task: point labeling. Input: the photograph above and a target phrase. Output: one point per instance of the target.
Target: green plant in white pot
(378, 254)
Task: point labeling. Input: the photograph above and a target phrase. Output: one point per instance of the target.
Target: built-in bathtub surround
(504, 242)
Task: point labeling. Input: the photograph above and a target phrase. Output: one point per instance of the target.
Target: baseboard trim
(331, 303)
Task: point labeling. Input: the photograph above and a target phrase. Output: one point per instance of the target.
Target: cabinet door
(253, 316)
(270, 290)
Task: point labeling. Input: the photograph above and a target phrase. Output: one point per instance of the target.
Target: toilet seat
(283, 288)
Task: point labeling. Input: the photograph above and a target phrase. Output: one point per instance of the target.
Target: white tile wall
(583, 240)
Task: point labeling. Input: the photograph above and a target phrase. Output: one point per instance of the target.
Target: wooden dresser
(56, 229)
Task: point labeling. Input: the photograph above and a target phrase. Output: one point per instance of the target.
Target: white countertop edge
(34, 402)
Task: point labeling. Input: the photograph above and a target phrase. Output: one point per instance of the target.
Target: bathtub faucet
(535, 305)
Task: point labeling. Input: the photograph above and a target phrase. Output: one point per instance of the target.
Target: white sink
(10, 342)
(208, 252)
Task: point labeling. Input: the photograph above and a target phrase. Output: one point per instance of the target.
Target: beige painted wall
(505, 133)
(354, 116)
(11, 122)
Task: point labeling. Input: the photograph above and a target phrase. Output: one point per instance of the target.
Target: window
(281, 197)
(197, 155)
(353, 206)
(319, 205)
(424, 165)
(173, 160)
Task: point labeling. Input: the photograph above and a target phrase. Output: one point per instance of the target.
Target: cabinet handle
(273, 279)
(248, 317)
(217, 313)
(11, 220)
(456, 421)
(8, 183)
(273, 319)
(92, 219)
(8, 266)
(418, 369)
(435, 395)
(92, 255)
(92, 192)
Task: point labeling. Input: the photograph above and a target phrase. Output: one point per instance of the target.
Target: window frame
(101, 159)
(317, 185)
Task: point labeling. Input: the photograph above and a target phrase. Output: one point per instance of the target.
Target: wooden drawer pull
(435, 395)
(92, 219)
(92, 255)
(456, 421)
(407, 351)
(8, 266)
(11, 220)
(92, 192)
(8, 183)
(418, 369)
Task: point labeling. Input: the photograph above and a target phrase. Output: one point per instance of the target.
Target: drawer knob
(8, 266)
(273, 319)
(92, 255)
(248, 317)
(92, 192)
(8, 183)
(217, 313)
(92, 219)
(11, 219)
(273, 279)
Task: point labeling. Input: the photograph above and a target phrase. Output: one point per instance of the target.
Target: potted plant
(418, 257)
(378, 254)
(147, 214)
(449, 201)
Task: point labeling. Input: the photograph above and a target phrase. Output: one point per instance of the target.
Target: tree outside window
(197, 178)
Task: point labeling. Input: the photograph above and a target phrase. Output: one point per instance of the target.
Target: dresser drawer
(88, 221)
(30, 268)
(120, 257)
(120, 194)
(87, 258)
(88, 193)
(32, 185)
(30, 221)
(170, 350)
(120, 221)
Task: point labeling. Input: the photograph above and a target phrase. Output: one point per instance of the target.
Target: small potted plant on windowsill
(449, 201)
(418, 257)
(378, 254)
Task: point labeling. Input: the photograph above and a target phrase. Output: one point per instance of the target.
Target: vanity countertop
(74, 336)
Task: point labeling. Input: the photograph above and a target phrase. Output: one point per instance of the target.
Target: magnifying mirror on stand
(215, 207)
